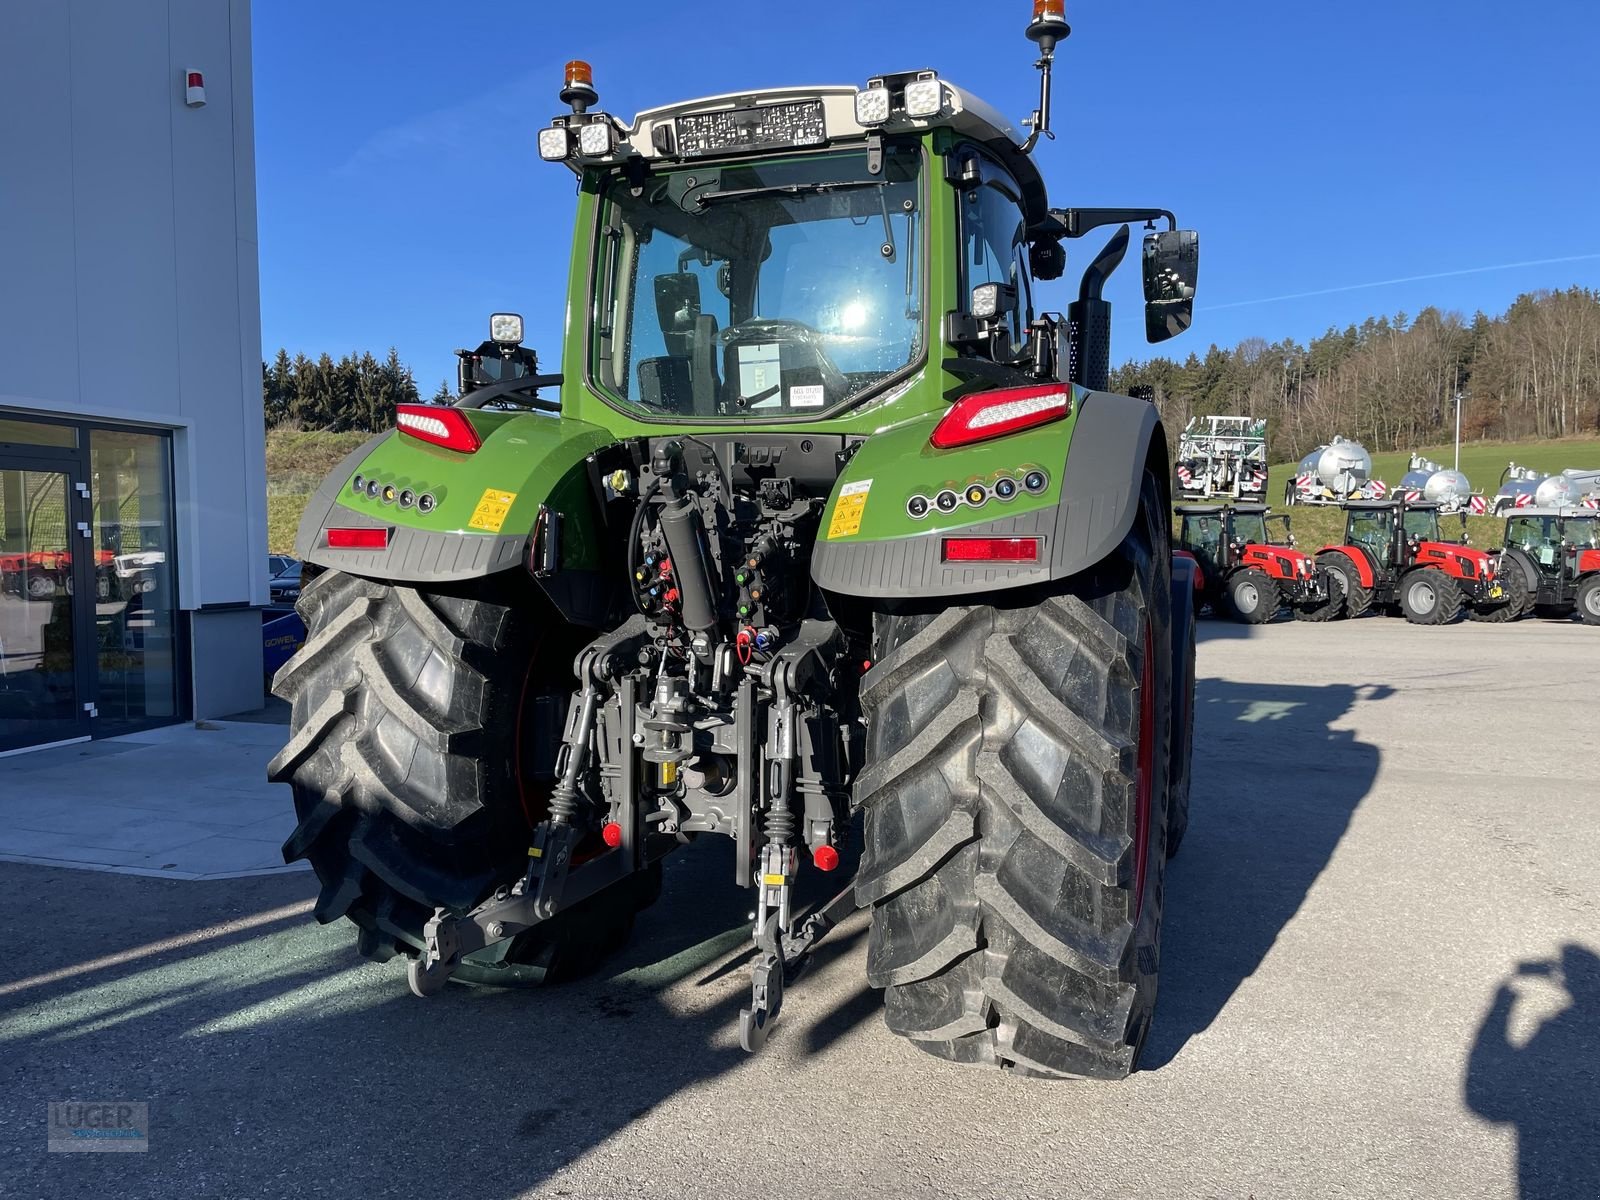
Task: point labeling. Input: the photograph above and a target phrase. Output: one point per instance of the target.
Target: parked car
(284, 584)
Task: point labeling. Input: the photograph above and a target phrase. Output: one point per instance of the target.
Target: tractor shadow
(1274, 788)
(280, 1062)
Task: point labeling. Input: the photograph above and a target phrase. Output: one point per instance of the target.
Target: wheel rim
(1248, 597)
(1592, 602)
(1144, 790)
(1422, 596)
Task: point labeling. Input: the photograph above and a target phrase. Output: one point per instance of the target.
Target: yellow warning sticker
(492, 510)
(851, 508)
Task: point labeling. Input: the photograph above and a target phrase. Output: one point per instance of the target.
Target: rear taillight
(991, 550)
(447, 427)
(358, 539)
(985, 415)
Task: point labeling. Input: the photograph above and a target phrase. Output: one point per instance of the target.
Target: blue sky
(1319, 148)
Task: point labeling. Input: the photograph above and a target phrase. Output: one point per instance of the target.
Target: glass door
(134, 658)
(46, 575)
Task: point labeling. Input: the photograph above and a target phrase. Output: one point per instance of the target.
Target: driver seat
(703, 366)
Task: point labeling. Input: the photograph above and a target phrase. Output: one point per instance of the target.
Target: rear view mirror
(677, 301)
(678, 308)
(1171, 273)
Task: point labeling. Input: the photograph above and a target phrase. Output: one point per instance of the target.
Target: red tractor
(1394, 559)
(1247, 575)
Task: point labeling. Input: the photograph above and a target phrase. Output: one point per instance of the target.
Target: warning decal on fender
(492, 510)
(848, 512)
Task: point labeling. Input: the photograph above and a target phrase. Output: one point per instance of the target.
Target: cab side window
(994, 236)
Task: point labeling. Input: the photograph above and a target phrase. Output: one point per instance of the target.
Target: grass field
(296, 464)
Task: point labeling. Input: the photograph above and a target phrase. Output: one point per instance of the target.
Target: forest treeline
(356, 393)
(1391, 382)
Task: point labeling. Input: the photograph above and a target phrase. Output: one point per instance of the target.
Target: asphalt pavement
(1379, 979)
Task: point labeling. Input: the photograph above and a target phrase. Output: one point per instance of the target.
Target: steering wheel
(795, 333)
(767, 328)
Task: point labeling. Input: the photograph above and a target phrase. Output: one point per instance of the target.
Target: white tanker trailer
(1524, 487)
(1332, 474)
(1449, 489)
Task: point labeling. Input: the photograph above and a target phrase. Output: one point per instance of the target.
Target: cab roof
(771, 120)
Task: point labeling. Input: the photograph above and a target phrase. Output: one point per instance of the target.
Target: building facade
(132, 454)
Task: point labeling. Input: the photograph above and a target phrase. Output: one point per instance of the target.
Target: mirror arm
(1076, 222)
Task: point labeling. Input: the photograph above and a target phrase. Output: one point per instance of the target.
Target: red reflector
(447, 427)
(826, 858)
(611, 835)
(358, 539)
(991, 550)
(985, 415)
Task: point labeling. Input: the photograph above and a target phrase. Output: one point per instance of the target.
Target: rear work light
(358, 539)
(985, 415)
(447, 427)
(991, 550)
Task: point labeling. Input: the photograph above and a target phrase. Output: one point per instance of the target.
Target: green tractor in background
(822, 519)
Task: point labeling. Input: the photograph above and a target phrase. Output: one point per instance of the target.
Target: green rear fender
(1073, 485)
(485, 503)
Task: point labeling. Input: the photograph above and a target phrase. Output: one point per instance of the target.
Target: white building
(132, 459)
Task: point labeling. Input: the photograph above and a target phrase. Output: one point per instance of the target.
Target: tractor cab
(1394, 532)
(1537, 533)
(1373, 528)
(1556, 553)
(1219, 535)
(1203, 532)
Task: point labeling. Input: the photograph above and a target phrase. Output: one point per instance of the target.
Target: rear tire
(1355, 598)
(1430, 597)
(1589, 600)
(1016, 799)
(413, 764)
(1253, 596)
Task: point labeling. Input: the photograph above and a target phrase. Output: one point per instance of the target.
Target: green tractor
(823, 520)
